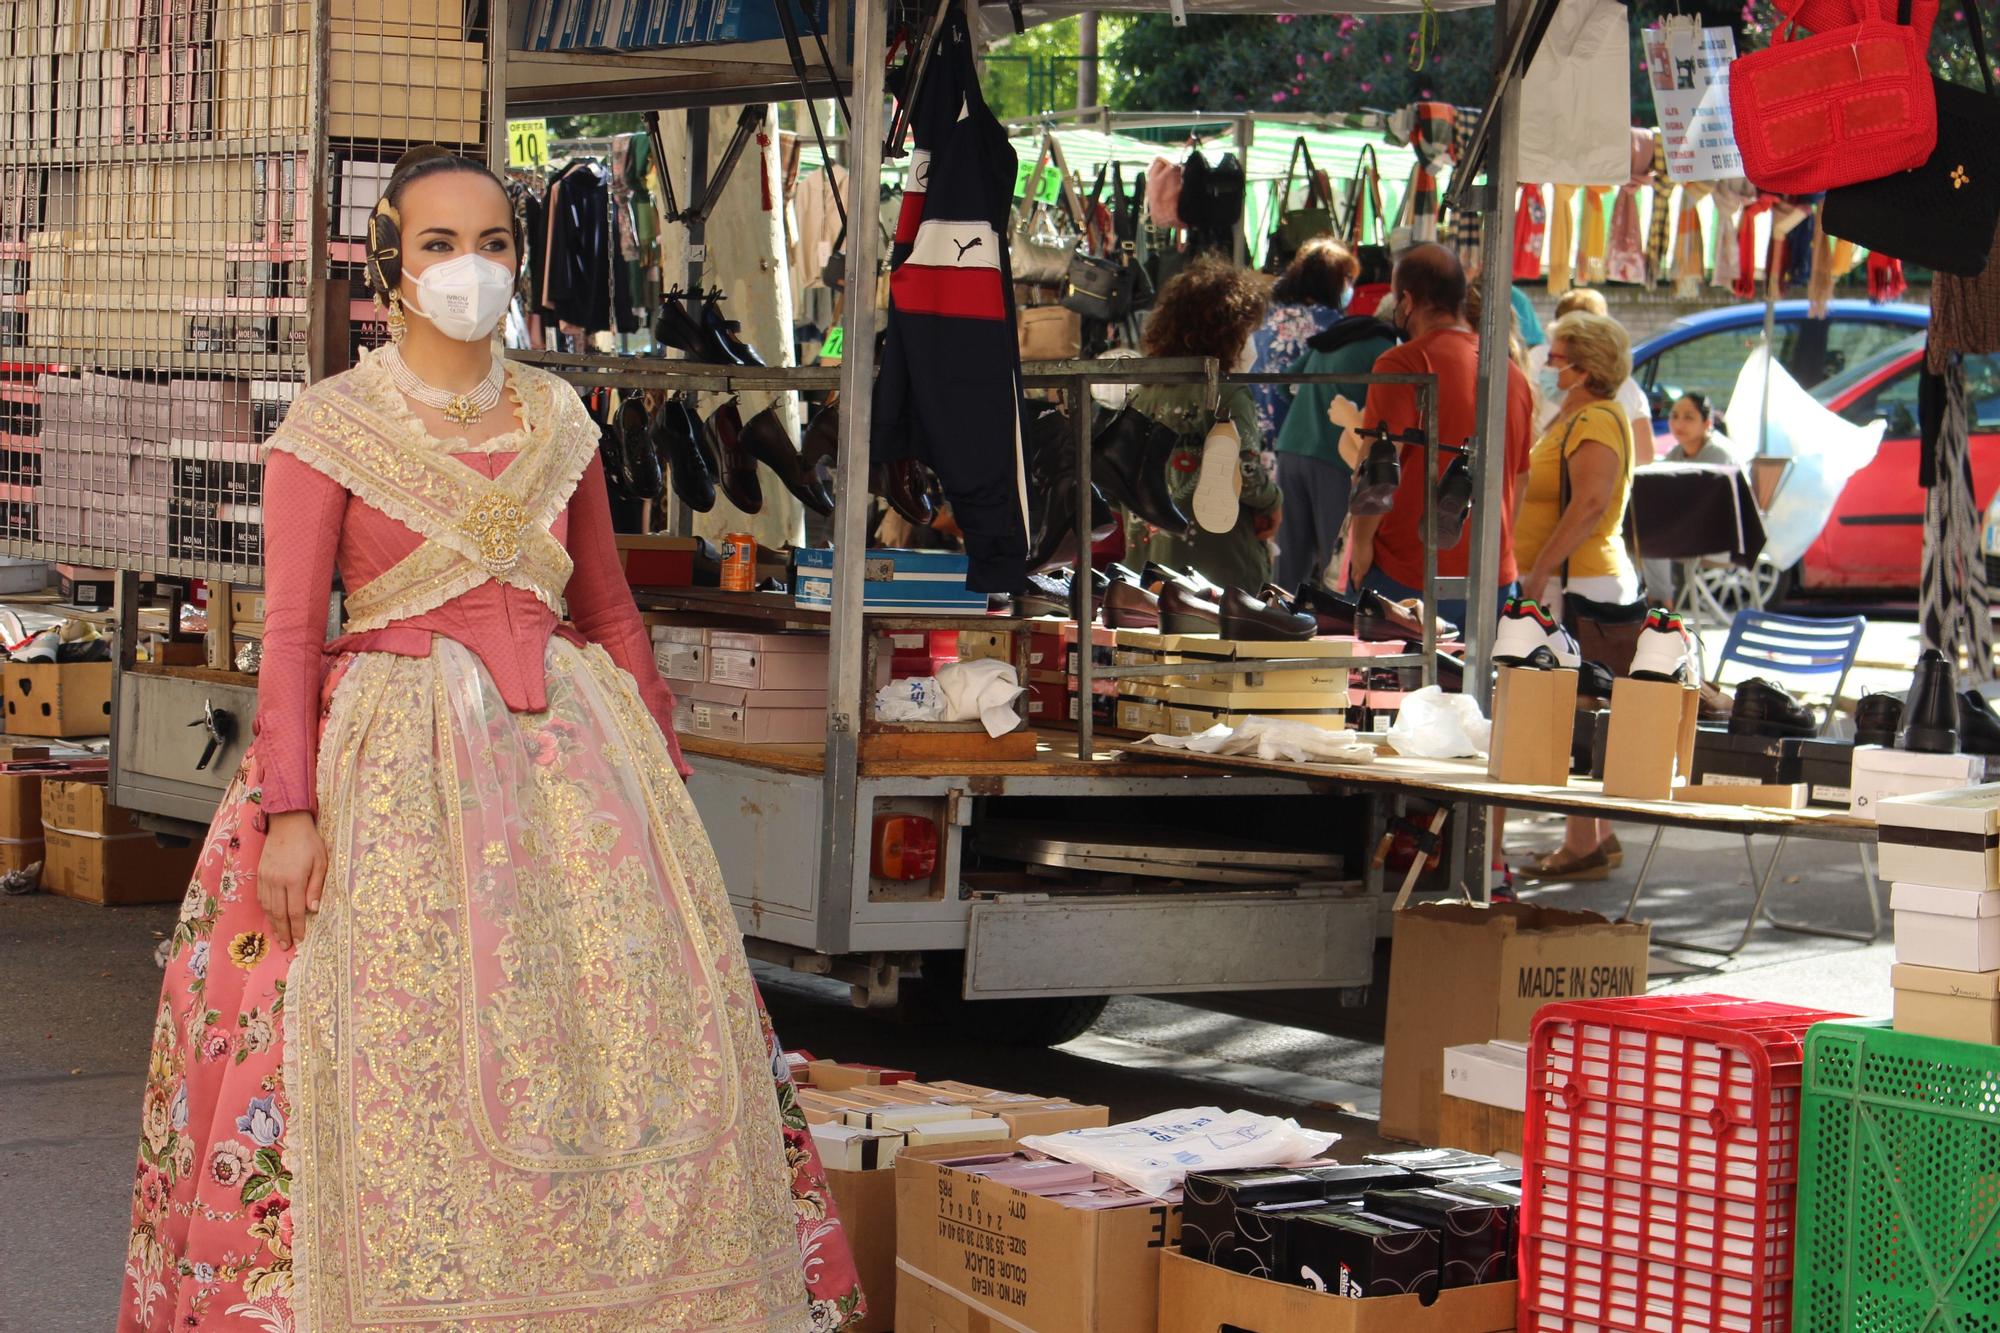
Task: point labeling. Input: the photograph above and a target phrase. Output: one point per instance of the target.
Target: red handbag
(1851, 103)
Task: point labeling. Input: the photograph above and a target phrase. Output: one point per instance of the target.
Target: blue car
(1705, 353)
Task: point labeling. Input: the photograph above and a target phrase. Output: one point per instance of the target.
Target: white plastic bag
(1155, 1155)
(961, 691)
(1274, 738)
(1826, 451)
(1434, 725)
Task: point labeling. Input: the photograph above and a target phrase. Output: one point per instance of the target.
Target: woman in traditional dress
(457, 1030)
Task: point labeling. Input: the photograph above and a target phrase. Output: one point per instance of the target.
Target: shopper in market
(457, 1024)
(1570, 537)
(1312, 476)
(1307, 299)
(1386, 551)
(1698, 438)
(1208, 309)
(1631, 398)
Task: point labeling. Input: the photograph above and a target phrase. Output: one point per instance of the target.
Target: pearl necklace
(462, 409)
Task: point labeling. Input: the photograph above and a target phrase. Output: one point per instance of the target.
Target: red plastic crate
(1661, 1165)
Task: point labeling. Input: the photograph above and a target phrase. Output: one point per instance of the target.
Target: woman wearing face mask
(457, 1025)
(1631, 398)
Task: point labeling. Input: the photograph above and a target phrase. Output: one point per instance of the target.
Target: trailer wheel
(937, 998)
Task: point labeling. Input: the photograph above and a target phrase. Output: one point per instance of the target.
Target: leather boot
(1244, 617)
(767, 441)
(1130, 463)
(738, 476)
(675, 434)
(1930, 713)
(1181, 612)
(1877, 719)
(1978, 728)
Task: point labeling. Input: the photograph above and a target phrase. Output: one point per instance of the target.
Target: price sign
(528, 143)
(1047, 190)
(836, 342)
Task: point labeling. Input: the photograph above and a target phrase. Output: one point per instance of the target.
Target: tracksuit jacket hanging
(949, 392)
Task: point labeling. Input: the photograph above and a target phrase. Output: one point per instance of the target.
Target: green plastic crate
(1899, 1184)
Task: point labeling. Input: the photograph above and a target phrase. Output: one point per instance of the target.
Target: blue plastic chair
(1783, 648)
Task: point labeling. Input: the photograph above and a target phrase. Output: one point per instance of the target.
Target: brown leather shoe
(766, 440)
(1244, 617)
(1379, 620)
(1181, 612)
(738, 477)
(1158, 576)
(1129, 606)
(1563, 864)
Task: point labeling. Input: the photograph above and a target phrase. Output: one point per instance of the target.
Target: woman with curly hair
(1209, 309)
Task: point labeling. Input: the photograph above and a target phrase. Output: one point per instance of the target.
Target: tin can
(739, 562)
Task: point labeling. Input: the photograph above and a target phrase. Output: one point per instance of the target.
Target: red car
(1874, 538)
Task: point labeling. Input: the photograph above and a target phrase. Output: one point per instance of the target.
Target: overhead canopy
(996, 20)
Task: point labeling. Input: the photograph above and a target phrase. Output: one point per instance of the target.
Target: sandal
(1614, 854)
(1563, 864)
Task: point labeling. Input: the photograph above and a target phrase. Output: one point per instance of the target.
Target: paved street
(79, 985)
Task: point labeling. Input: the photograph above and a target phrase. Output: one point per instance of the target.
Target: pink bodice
(316, 525)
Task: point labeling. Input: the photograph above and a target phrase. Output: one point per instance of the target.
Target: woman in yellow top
(1575, 542)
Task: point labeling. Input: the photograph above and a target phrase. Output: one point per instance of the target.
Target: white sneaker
(1529, 637)
(1218, 489)
(1665, 651)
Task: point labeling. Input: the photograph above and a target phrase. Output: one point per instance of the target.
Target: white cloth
(1273, 739)
(1434, 725)
(1156, 1155)
(961, 691)
(1576, 101)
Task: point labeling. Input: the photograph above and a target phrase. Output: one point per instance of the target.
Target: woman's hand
(291, 875)
(1266, 524)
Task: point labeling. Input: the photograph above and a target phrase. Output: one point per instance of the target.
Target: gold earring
(398, 326)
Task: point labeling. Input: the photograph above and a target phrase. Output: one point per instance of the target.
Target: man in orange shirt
(1386, 551)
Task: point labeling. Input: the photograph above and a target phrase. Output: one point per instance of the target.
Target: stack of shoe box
(1186, 705)
(1938, 850)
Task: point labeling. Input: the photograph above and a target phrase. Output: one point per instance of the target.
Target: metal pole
(1244, 133)
(1496, 251)
(1081, 406)
(839, 816)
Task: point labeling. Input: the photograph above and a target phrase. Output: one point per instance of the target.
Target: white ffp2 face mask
(465, 298)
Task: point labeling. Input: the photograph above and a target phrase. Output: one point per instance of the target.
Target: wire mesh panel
(178, 180)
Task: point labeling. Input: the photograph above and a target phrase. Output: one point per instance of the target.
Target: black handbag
(1943, 213)
(1101, 287)
(1296, 226)
(1364, 200)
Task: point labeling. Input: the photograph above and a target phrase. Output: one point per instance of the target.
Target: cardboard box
(1650, 747)
(892, 580)
(86, 588)
(1020, 1260)
(866, 1202)
(1944, 927)
(1495, 1130)
(1881, 772)
(833, 1075)
(1192, 711)
(1460, 974)
(97, 854)
(1721, 757)
(21, 809)
(57, 699)
(1493, 1073)
(1200, 1298)
(246, 605)
(848, 1148)
(757, 717)
(1534, 718)
(652, 561)
(1948, 838)
(686, 662)
(1939, 1002)
(1782, 796)
(761, 670)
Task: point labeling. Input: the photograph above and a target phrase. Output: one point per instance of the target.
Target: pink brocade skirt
(517, 1076)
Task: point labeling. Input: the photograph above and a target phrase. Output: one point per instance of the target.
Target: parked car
(1874, 538)
(1705, 352)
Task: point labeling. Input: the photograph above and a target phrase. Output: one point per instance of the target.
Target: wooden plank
(1766, 796)
(950, 746)
(803, 759)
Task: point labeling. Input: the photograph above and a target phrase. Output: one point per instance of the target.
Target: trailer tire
(937, 998)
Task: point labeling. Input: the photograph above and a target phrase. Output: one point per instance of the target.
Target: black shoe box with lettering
(1358, 1253)
(1211, 1200)
(1474, 1229)
(1259, 1245)
(1827, 769)
(1722, 757)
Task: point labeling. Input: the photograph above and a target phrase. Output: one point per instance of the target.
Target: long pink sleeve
(600, 601)
(309, 509)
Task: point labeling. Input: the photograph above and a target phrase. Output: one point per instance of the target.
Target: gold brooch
(1958, 177)
(495, 523)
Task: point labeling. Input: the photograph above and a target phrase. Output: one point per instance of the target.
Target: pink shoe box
(210, 409)
(768, 661)
(756, 717)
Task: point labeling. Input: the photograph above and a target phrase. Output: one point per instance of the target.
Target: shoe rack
(180, 184)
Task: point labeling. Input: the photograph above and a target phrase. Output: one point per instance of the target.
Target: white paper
(1689, 70)
(1155, 1155)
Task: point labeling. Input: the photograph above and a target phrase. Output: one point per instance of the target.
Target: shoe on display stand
(1157, 576)
(1528, 636)
(1877, 719)
(1594, 681)
(1930, 712)
(1129, 462)
(1978, 726)
(1218, 487)
(1181, 612)
(1126, 605)
(1665, 651)
(676, 435)
(766, 440)
(820, 450)
(738, 477)
(1764, 708)
(1376, 480)
(1454, 502)
(907, 485)
(1379, 620)
(1336, 614)
(1246, 619)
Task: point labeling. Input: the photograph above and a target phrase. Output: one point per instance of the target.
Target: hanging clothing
(573, 1120)
(1660, 236)
(1746, 246)
(1690, 254)
(1591, 249)
(950, 388)
(1731, 198)
(578, 287)
(1468, 229)
(1576, 99)
(1562, 239)
(1428, 129)
(1531, 223)
(1953, 598)
(1625, 257)
(815, 227)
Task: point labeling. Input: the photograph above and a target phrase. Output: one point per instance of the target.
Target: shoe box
(1945, 1002)
(895, 580)
(1958, 929)
(1881, 772)
(1192, 711)
(1947, 839)
(1722, 758)
(1825, 767)
(97, 853)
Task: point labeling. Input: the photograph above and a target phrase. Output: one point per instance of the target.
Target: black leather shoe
(674, 327)
(723, 334)
(1046, 595)
(903, 483)
(1766, 709)
(1978, 728)
(1877, 719)
(1454, 502)
(738, 476)
(611, 453)
(1244, 617)
(1930, 712)
(1594, 681)
(1376, 480)
(1181, 612)
(707, 563)
(1129, 606)
(1335, 614)
(766, 440)
(1129, 463)
(820, 450)
(676, 436)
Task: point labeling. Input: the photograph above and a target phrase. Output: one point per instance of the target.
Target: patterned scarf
(1625, 258)
(1731, 198)
(1595, 234)
(1690, 254)
(1953, 597)
(1745, 285)
(1663, 198)
(1468, 230)
(1431, 126)
(1562, 239)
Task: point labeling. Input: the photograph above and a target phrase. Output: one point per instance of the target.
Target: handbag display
(1606, 632)
(1849, 104)
(1038, 251)
(1101, 287)
(1942, 214)
(1050, 333)
(1296, 226)
(1364, 200)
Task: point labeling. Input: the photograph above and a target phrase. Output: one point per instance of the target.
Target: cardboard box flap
(1956, 810)
(735, 696)
(1525, 918)
(1968, 903)
(1943, 981)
